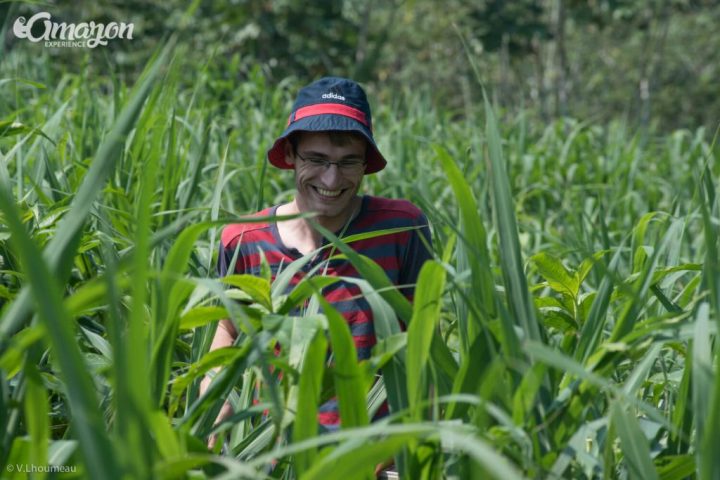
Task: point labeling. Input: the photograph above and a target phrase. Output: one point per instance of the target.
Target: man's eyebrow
(314, 153)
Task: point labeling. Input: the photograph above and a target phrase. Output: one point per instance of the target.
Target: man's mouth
(328, 193)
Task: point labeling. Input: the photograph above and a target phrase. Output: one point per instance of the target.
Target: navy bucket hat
(331, 103)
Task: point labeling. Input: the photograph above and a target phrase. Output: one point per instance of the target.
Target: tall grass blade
(306, 425)
(61, 248)
(592, 329)
(349, 384)
(636, 451)
(352, 458)
(630, 314)
(520, 302)
(373, 273)
(36, 415)
(426, 312)
(703, 379)
(98, 454)
(492, 462)
(472, 247)
(707, 395)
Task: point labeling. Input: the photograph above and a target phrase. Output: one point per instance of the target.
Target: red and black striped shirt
(400, 254)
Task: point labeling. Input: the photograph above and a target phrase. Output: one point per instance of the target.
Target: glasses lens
(346, 166)
(351, 166)
(317, 162)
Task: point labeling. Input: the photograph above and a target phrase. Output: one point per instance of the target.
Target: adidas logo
(333, 95)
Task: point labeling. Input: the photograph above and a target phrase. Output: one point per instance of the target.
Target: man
(329, 144)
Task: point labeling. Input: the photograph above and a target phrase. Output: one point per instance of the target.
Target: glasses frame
(325, 164)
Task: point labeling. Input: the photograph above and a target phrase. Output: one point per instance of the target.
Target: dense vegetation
(565, 329)
(651, 63)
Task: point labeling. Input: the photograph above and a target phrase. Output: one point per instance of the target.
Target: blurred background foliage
(649, 63)
(574, 82)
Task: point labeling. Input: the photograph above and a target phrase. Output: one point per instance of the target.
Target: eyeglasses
(351, 167)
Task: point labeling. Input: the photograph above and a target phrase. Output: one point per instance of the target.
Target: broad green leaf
(97, 341)
(555, 273)
(202, 315)
(258, 288)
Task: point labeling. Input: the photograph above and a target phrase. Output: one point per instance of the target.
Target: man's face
(329, 191)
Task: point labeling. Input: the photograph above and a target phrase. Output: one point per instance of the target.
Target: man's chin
(328, 213)
(333, 211)
(330, 206)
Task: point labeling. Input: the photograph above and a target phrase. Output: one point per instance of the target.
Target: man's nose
(331, 175)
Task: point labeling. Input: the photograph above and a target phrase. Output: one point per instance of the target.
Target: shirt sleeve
(417, 251)
(225, 257)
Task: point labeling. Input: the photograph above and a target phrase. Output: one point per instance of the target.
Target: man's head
(329, 168)
(329, 104)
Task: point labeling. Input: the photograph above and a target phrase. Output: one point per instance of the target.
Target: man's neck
(300, 234)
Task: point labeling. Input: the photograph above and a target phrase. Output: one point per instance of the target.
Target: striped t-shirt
(400, 254)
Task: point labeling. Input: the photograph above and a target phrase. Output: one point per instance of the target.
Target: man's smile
(328, 193)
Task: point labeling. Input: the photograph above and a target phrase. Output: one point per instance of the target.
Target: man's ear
(289, 153)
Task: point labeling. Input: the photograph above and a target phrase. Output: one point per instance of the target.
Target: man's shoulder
(393, 208)
(234, 231)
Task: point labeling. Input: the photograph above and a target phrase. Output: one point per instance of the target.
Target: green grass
(565, 328)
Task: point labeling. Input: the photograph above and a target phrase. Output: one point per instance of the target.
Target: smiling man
(329, 144)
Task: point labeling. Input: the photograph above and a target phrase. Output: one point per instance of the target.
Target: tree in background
(650, 62)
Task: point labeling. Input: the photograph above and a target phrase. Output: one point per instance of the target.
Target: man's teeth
(328, 193)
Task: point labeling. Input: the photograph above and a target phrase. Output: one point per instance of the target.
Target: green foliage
(645, 62)
(565, 328)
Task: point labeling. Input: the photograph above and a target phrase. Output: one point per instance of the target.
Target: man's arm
(224, 337)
